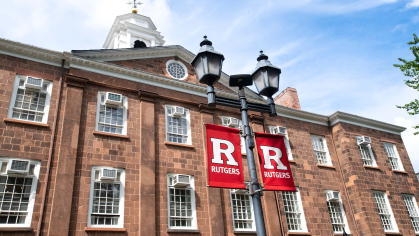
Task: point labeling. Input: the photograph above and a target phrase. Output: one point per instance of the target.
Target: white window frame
(191, 188)
(302, 216)
(368, 146)
(399, 162)
(251, 207)
(14, 94)
(188, 123)
(121, 198)
(179, 63)
(393, 221)
(124, 129)
(32, 196)
(415, 206)
(326, 151)
(342, 210)
(242, 140)
(286, 140)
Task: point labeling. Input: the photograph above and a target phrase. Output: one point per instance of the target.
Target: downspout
(51, 146)
(341, 177)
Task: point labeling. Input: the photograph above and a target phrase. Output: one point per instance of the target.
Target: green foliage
(411, 69)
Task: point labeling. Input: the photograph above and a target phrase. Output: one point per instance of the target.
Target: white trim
(345, 221)
(14, 94)
(374, 163)
(124, 129)
(302, 216)
(192, 189)
(188, 123)
(329, 160)
(251, 207)
(179, 63)
(393, 220)
(31, 204)
(286, 140)
(399, 161)
(121, 198)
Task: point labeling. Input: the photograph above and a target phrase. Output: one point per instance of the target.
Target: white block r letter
(276, 157)
(216, 146)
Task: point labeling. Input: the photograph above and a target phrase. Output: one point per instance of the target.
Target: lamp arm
(271, 104)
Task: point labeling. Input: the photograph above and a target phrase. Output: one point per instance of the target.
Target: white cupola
(131, 27)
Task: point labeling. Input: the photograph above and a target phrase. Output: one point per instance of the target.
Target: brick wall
(147, 158)
(289, 98)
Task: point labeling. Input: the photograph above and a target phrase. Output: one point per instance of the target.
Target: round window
(176, 69)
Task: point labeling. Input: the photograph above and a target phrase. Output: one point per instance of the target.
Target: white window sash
(32, 196)
(415, 214)
(13, 100)
(392, 219)
(121, 199)
(370, 152)
(124, 123)
(301, 212)
(192, 189)
(286, 141)
(325, 151)
(252, 213)
(342, 210)
(396, 156)
(188, 125)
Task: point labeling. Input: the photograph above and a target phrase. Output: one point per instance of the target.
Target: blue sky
(339, 55)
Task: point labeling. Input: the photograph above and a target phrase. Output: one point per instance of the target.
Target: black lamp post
(208, 65)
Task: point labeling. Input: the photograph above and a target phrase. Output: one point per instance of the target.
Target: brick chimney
(288, 98)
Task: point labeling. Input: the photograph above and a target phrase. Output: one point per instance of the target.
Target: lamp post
(208, 64)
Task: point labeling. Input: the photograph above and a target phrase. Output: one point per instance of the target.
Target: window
(294, 212)
(393, 156)
(242, 210)
(286, 139)
(366, 154)
(111, 113)
(176, 69)
(106, 204)
(181, 203)
(336, 212)
(18, 181)
(412, 209)
(385, 212)
(30, 99)
(320, 150)
(227, 121)
(178, 127)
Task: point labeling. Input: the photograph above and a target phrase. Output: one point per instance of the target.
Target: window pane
(111, 119)
(29, 105)
(180, 207)
(383, 211)
(242, 211)
(411, 206)
(292, 211)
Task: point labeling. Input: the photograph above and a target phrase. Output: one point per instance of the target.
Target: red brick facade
(147, 158)
(288, 98)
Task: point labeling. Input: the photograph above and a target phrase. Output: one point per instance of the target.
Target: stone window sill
(326, 166)
(393, 233)
(179, 145)
(293, 162)
(298, 233)
(16, 229)
(244, 232)
(110, 134)
(400, 171)
(25, 122)
(372, 167)
(94, 229)
(186, 231)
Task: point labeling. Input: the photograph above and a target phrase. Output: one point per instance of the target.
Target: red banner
(276, 171)
(225, 168)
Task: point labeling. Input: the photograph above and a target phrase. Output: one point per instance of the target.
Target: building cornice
(365, 122)
(301, 115)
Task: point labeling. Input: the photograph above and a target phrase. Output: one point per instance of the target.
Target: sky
(339, 55)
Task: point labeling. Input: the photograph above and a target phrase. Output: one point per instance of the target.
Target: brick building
(91, 144)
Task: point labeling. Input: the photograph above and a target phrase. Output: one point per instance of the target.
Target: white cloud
(412, 4)
(401, 27)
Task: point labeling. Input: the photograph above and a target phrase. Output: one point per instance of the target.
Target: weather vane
(134, 4)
